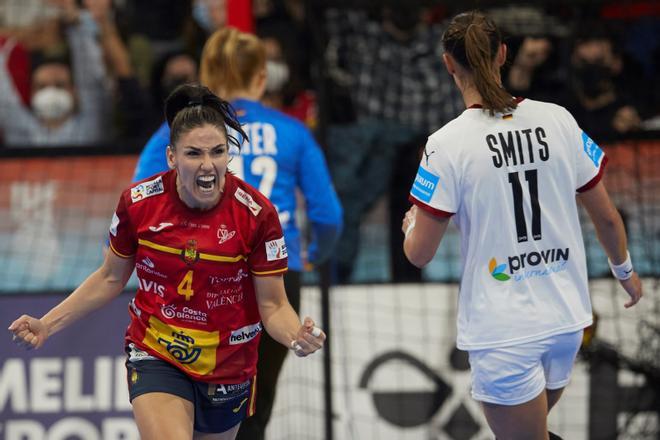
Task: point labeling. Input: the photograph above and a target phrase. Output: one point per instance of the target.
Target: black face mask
(593, 79)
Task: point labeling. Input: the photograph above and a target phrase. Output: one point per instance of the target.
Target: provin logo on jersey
(147, 189)
(524, 266)
(498, 271)
(248, 201)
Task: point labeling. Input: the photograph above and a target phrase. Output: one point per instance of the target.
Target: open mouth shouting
(201, 163)
(207, 183)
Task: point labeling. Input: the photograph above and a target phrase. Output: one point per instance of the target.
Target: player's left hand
(309, 339)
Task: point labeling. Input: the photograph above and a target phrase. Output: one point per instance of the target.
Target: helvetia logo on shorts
(524, 266)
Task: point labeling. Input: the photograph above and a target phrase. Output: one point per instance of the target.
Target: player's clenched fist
(309, 339)
(28, 332)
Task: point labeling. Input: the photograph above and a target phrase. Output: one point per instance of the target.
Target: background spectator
(536, 51)
(597, 87)
(210, 15)
(389, 62)
(287, 84)
(130, 109)
(18, 67)
(68, 102)
(170, 71)
(155, 28)
(34, 23)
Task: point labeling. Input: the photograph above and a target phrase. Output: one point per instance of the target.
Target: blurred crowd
(85, 72)
(369, 74)
(96, 72)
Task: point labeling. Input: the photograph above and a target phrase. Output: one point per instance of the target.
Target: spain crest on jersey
(190, 254)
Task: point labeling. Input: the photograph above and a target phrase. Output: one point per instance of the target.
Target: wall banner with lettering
(74, 387)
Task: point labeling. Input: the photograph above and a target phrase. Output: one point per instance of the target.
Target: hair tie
(195, 101)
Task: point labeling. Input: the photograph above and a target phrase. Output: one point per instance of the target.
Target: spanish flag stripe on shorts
(253, 397)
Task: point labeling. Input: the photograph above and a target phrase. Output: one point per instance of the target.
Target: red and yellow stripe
(253, 397)
(270, 272)
(119, 254)
(202, 255)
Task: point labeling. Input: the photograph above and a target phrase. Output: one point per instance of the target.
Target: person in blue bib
(280, 158)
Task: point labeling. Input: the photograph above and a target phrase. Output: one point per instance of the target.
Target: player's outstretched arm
(97, 290)
(612, 236)
(281, 321)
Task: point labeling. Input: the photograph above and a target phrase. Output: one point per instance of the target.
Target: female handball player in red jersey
(209, 255)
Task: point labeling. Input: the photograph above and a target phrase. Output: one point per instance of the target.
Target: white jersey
(510, 182)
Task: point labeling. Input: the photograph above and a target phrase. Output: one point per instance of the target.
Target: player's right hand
(633, 287)
(309, 339)
(28, 332)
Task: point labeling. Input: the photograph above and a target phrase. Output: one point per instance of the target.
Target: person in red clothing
(209, 256)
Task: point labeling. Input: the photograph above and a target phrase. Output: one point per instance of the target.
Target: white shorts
(517, 374)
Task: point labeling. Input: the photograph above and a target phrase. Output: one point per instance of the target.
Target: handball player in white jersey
(508, 170)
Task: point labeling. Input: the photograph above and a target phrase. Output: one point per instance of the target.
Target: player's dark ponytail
(191, 106)
(474, 40)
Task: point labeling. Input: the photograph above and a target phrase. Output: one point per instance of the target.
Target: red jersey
(195, 305)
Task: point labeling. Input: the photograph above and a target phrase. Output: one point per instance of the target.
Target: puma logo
(427, 155)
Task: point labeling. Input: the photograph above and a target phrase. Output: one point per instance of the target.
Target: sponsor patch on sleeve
(114, 224)
(424, 185)
(248, 201)
(147, 189)
(276, 249)
(592, 149)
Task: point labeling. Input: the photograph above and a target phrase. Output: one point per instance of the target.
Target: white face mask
(202, 16)
(277, 74)
(52, 103)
